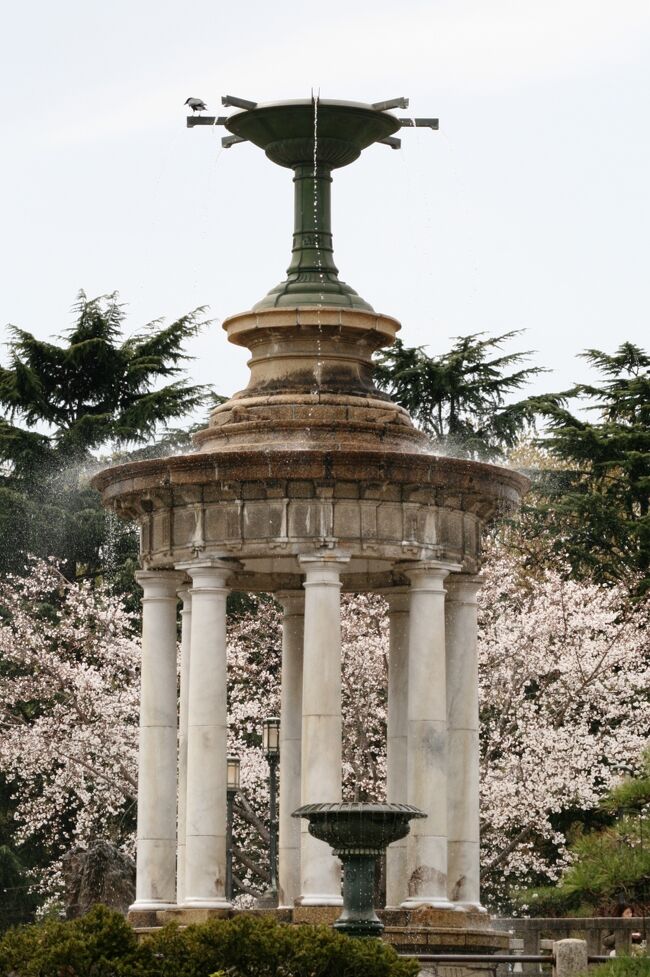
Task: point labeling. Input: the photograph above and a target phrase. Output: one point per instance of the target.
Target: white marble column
(463, 741)
(293, 621)
(186, 625)
(205, 835)
(320, 871)
(396, 739)
(427, 737)
(156, 835)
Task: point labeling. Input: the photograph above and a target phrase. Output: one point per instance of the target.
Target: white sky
(529, 209)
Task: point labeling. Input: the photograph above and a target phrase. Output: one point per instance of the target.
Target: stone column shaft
(156, 834)
(186, 644)
(205, 838)
(463, 741)
(427, 738)
(290, 746)
(397, 739)
(320, 871)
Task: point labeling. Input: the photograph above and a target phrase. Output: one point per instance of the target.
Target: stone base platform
(422, 930)
(427, 930)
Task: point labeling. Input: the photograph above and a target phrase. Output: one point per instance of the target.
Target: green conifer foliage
(460, 397)
(63, 404)
(594, 511)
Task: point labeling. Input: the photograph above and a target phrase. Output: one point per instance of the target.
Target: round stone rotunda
(307, 483)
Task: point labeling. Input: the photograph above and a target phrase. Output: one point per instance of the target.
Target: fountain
(308, 482)
(359, 834)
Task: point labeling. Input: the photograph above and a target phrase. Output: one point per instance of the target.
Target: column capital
(211, 574)
(463, 588)
(323, 569)
(159, 584)
(325, 557)
(292, 601)
(185, 595)
(427, 575)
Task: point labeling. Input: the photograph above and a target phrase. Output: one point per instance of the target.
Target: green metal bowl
(285, 130)
(358, 828)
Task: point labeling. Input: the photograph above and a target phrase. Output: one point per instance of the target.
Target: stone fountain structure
(307, 483)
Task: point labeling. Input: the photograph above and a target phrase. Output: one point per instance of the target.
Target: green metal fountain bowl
(285, 130)
(358, 828)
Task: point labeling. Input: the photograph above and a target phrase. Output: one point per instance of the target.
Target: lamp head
(233, 773)
(271, 737)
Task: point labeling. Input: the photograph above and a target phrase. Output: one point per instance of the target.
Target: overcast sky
(529, 209)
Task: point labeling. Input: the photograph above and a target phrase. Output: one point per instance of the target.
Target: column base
(150, 906)
(419, 902)
(206, 904)
(319, 900)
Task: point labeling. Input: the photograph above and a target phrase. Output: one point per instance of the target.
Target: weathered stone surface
(143, 920)
(103, 874)
(316, 915)
(309, 455)
(570, 958)
(393, 508)
(182, 916)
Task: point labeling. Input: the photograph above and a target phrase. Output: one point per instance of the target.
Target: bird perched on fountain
(196, 104)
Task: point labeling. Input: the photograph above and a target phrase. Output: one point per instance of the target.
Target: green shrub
(624, 967)
(86, 947)
(102, 944)
(607, 862)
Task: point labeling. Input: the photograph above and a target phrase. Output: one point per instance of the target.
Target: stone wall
(535, 935)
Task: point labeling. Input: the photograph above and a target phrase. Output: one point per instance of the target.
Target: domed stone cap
(311, 385)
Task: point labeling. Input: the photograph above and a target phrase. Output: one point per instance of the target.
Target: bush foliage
(102, 944)
(624, 967)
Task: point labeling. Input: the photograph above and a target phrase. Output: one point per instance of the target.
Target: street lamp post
(271, 747)
(232, 786)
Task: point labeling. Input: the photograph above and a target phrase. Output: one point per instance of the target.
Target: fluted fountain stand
(358, 834)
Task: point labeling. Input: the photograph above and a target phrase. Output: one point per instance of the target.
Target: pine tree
(460, 397)
(64, 404)
(594, 511)
(609, 864)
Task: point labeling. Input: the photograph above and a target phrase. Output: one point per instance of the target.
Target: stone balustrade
(536, 935)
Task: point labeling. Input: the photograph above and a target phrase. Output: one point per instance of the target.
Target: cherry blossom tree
(69, 691)
(564, 672)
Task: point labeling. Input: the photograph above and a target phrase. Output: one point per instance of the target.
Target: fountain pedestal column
(321, 760)
(156, 836)
(397, 738)
(463, 741)
(293, 622)
(205, 839)
(427, 737)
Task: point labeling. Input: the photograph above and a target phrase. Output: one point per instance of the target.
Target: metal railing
(546, 959)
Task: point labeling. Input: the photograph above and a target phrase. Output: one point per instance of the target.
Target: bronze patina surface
(312, 137)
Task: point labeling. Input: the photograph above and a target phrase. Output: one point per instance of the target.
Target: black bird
(196, 104)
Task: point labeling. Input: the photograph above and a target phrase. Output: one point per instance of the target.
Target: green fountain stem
(359, 917)
(312, 277)
(312, 139)
(312, 251)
